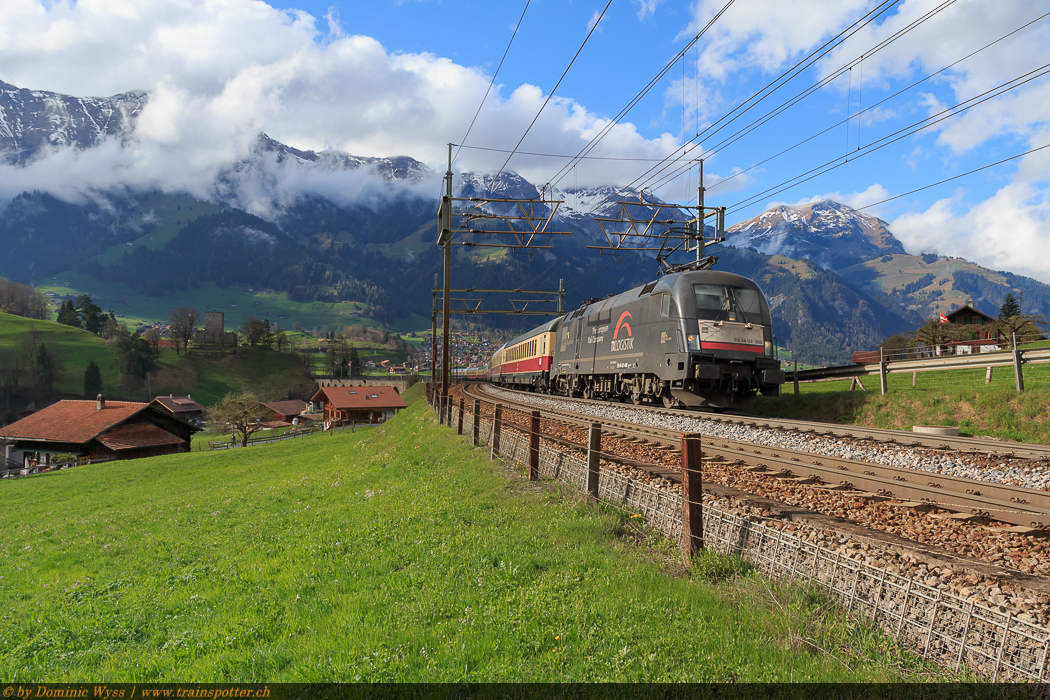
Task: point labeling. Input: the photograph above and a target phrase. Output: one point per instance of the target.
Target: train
(695, 339)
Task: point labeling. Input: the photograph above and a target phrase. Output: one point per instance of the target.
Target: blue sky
(392, 78)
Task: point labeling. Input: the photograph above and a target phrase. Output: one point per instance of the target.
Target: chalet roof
(285, 408)
(967, 307)
(72, 421)
(360, 397)
(178, 404)
(137, 435)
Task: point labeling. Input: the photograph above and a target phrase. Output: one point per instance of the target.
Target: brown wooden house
(976, 325)
(285, 411)
(98, 430)
(360, 404)
(182, 407)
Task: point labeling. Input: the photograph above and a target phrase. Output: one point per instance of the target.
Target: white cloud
(1008, 231)
(874, 193)
(766, 34)
(222, 71)
(647, 8)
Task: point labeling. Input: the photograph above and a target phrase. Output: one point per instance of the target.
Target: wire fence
(952, 631)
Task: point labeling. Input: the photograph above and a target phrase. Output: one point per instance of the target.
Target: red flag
(944, 319)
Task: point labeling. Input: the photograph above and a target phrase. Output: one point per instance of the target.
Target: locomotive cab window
(667, 306)
(716, 302)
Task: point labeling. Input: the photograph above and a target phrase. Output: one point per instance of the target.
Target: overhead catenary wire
(493, 81)
(777, 83)
(597, 138)
(665, 177)
(879, 103)
(894, 137)
(553, 90)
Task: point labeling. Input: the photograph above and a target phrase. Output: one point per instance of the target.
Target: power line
(551, 95)
(563, 155)
(597, 138)
(930, 186)
(956, 177)
(784, 106)
(894, 137)
(780, 81)
(493, 81)
(880, 102)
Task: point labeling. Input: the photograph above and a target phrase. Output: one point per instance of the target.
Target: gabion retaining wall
(940, 627)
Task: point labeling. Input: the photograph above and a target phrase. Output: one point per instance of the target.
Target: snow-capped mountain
(390, 169)
(34, 121)
(577, 209)
(831, 234)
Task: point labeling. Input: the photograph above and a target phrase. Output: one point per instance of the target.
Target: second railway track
(998, 523)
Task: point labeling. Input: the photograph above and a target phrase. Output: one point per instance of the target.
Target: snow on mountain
(829, 233)
(33, 122)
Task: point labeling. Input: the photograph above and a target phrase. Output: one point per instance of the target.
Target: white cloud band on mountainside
(219, 72)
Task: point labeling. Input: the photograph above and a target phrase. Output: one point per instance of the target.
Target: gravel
(1017, 472)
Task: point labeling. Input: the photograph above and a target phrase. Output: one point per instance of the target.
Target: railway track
(998, 449)
(1026, 510)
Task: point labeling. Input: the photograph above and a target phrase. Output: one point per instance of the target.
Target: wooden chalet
(977, 325)
(182, 407)
(97, 431)
(285, 411)
(361, 404)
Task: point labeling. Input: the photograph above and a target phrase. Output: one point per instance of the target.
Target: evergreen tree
(92, 381)
(91, 314)
(68, 314)
(1010, 307)
(47, 365)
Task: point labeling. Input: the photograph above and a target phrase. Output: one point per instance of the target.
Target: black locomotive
(698, 339)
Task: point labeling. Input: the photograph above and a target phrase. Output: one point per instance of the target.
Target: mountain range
(837, 279)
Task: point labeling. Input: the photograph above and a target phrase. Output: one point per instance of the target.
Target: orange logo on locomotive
(623, 324)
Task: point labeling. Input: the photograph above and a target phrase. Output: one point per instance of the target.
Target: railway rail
(968, 499)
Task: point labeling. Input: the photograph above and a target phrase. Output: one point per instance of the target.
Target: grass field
(269, 373)
(76, 348)
(134, 307)
(394, 554)
(957, 398)
(170, 213)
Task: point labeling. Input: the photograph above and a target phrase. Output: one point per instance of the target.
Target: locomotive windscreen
(718, 302)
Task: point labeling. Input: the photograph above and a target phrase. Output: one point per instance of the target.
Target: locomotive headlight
(769, 349)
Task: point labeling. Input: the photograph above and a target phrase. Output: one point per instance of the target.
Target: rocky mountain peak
(34, 122)
(830, 233)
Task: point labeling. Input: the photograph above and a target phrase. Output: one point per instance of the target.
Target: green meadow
(958, 398)
(269, 373)
(394, 553)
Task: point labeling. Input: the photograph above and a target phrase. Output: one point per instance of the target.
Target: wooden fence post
(594, 446)
(459, 430)
(534, 446)
(796, 376)
(477, 422)
(692, 497)
(497, 420)
(882, 371)
(1018, 375)
(448, 410)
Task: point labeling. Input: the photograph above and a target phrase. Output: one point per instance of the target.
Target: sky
(786, 101)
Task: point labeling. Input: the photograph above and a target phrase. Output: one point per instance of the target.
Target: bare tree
(183, 325)
(152, 336)
(253, 330)
(237, 413)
